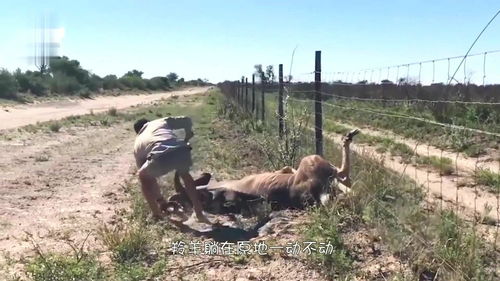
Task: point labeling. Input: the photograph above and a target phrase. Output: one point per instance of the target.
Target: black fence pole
(263, 98)
(246, 94)
(318, 105)
(242, 90)
(281, 121)
(253, 93)
(237, 91)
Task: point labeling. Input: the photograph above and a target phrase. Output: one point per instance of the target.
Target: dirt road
(21, 115)
(62, 185)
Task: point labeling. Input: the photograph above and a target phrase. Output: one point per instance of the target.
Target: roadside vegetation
(432, 243)
(380, 114)
(442, 165)
(485, 117)
(67, 77)
(229, 144)
(489, 179)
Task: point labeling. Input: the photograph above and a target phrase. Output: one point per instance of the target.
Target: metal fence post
(263, 98)
(241, 90)
(281, 120)
(318, 105)
(246, 93)
(253, 93)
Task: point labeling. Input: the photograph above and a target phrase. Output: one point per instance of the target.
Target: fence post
(253, 93)
(280, 102)
(236, 91)
(241, 90)
(246, 93)
(263, 98)
(318, 105)
(233, 91)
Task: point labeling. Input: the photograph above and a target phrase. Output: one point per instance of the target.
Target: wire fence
(445, 138)
(478, 68)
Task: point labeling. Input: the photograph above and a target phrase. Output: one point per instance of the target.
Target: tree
(8, 84)
(70, 68)
(135, 73)
(172, 77)
(110, 82)
(270, 73)
(259, 72)
(33, 82)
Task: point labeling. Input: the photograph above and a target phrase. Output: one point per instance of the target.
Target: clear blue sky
(221, 40)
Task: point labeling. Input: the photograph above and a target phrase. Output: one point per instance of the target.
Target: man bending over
(157, 151)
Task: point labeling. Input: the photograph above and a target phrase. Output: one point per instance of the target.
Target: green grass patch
(442, 164)
(323, 227)
(55, 267)
(128, 245)
(487, 178)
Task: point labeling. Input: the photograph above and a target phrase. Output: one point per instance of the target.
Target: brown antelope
(287, 188)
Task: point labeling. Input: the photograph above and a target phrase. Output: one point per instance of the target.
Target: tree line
(67, 77)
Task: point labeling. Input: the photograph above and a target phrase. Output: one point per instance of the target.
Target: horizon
(215, 41)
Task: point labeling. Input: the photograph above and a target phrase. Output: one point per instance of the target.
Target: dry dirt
(21, 115)
(60, 186)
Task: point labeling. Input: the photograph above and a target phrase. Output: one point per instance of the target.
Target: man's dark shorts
(163, 159)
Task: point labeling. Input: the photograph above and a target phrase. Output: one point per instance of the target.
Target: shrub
(157, 83)
(64, 84)
(62, 268)
(8, 85)
(95, 83)
(112, 111)
(110, 82)
(32, 82)
(55, 127)
(69, 68)
(133, 82)
(128, 245)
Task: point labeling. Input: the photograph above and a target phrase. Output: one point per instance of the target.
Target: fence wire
(449, 182)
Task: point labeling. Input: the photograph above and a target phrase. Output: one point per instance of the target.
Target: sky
(222, 40)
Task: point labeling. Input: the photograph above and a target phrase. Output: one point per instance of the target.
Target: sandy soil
(60, 186)
(21, 115)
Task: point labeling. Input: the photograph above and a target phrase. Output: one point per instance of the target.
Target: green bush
(32, 82)
(61, 268)
(64, 84)
(134, 82)
(95, 83)
(55, 126)
(8, 85)
(69, 68)
(157, 83)
(111, 82)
